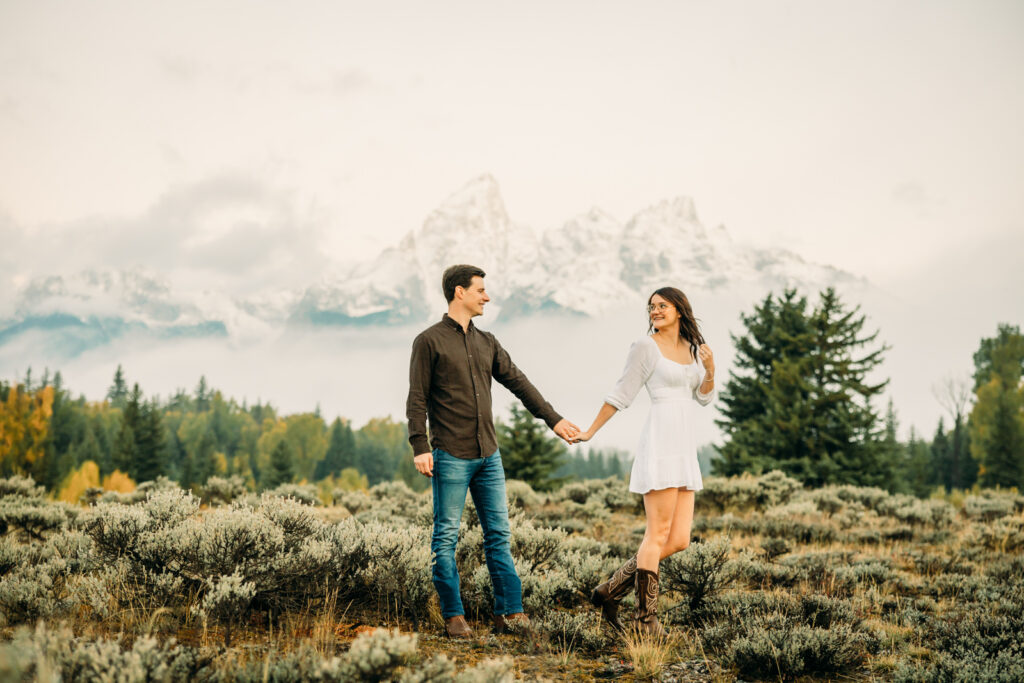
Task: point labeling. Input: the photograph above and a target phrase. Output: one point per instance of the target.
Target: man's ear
(460, 292)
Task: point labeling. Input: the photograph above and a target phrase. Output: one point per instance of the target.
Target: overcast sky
(875, 136)
(245, 144)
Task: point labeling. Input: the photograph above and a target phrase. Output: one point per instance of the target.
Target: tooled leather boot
(608, 595)
(647, 603)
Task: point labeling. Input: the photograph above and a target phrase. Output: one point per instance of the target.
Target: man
(450, 375)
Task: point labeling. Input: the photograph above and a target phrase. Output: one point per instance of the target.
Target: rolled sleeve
(640, 363)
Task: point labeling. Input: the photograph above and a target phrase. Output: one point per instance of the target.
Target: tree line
(801, 398)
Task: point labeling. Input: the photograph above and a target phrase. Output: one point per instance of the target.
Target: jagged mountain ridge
(590, 264)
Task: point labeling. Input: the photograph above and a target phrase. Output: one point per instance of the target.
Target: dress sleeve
(643, 356)
(703, 399)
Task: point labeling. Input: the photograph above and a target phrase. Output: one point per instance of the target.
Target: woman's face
(662, 313)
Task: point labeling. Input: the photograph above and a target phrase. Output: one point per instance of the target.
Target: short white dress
(666, 456)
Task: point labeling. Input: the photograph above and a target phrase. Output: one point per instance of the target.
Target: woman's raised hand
(707, 358)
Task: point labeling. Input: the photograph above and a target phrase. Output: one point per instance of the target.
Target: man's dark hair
(460, 275)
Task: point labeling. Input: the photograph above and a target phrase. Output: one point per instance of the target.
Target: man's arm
(421, 367)
(513, 379)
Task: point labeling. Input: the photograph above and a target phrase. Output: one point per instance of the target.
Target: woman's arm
(603, 415)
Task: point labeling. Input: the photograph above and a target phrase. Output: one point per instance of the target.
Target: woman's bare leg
(682, 524)
(660, 508)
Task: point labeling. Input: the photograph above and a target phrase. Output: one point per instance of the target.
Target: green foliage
(996, 424)
(341, 451)
(528, 452)
(282, 470)
(801, 402)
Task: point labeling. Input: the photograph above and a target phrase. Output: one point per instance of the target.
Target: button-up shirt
(450, 382)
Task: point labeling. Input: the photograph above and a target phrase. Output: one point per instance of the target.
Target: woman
(678, 369)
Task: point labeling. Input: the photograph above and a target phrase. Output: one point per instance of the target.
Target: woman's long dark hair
(689, 331)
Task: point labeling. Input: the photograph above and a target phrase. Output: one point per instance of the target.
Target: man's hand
(566, 430)
(425, 464)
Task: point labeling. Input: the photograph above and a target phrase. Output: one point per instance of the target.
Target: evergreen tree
(117, 394)
(150, 445)
(958, 468)
(340, 451)
(800, 401)
(281, 468)
(202, 395)
(918, 468)
(527, 452)
(126, 450)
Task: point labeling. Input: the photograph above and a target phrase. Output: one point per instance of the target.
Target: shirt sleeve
(643, 355)
(513, 379)
(420, 372)
(703, 399)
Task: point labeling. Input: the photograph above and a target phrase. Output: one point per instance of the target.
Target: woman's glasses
(651, 308)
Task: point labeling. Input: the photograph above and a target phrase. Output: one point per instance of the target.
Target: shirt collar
(451, 322)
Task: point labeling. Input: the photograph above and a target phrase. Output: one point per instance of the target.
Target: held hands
(567, 431)
(583, 436)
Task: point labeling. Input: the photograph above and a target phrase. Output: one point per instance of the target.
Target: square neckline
(674, 362)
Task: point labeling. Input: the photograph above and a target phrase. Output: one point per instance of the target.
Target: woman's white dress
(666, 456)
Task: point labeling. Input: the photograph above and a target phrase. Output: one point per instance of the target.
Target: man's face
(475, 296)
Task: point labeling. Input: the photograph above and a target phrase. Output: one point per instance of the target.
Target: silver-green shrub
(222, 490)
(700, 572)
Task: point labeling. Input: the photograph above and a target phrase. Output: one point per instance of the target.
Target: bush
(57, 655)
(701, 571)
(303, 493)
(222, 490)
(572, 631)
(789, 653)
(521, 495)
(226, 601)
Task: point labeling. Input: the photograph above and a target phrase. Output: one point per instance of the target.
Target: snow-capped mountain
(589, 265)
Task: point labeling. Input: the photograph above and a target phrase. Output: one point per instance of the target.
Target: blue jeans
(485, 480)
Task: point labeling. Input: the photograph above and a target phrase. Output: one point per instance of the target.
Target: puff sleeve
(640, 363)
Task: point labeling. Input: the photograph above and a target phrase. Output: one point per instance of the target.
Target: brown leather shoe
(456, 627)
(511, 623)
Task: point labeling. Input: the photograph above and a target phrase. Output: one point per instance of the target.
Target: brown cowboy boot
(456, 627)
(647, 603)
(608, 595)
(511, 623)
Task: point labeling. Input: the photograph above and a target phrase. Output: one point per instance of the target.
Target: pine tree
(126, 450)
(996, 424)
(117, 394)
(202, 395)
(150, 445)
(801, 401)
(281, 468)
(340, 451)
(918, 467)
(527, 452)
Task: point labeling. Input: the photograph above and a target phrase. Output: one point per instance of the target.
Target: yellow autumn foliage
(88, 476)
(77, 481)
(24, 425)
(118, 481)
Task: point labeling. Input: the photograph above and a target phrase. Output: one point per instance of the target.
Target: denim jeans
(484, 478)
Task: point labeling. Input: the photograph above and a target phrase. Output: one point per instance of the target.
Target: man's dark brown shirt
(450, 381)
